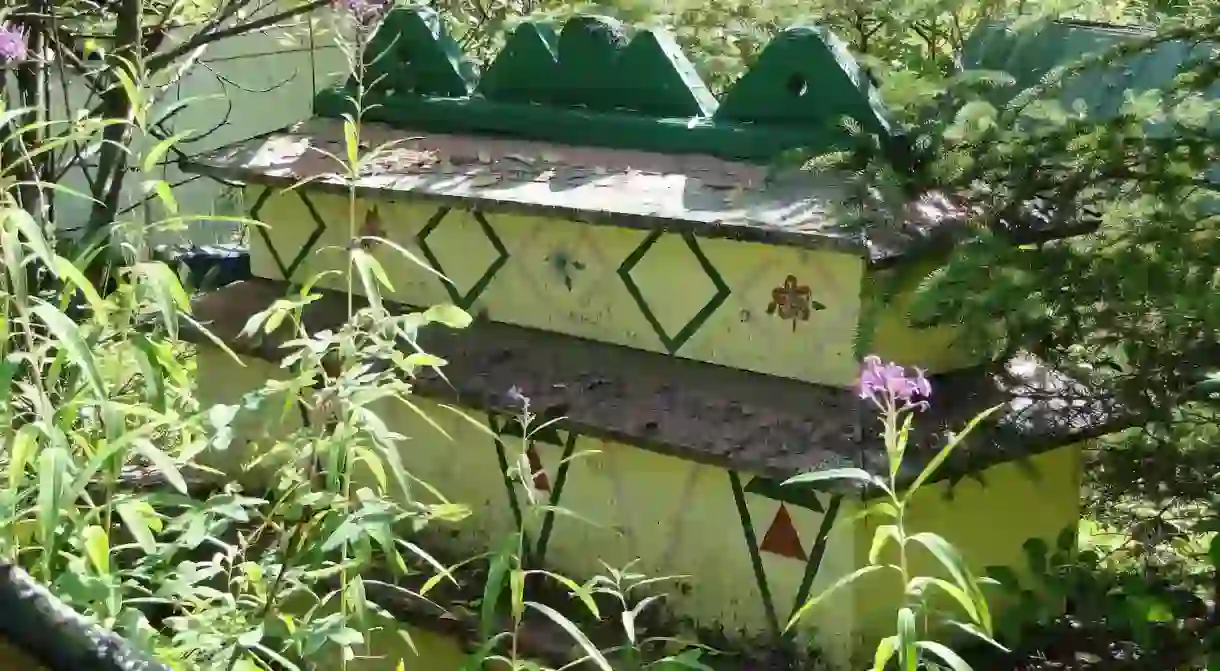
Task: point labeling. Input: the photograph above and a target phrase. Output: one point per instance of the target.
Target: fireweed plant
(897, 396)
(617, 596)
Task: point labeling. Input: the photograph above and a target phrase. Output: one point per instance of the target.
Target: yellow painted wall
(672, 517)
(677, 517)
(887, 331)
(562, 276)
(988, 522)
(384, 648)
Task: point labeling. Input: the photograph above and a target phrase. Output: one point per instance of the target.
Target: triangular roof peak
(594, 83)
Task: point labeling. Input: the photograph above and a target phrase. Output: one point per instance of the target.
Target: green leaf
(251, 638)
(578, 591)
(167, 292)
(564, 623)
(163, 463)
(838, 584)
(951, 559)
(908, 656)
(8, 370)
(516, 587)
(158, 152)
(165, 194)
(857, 474)
(34, 237)
(441, 570)
(885, 652)
(416, 359)
(449, 315)
(277, 657)
(371, 275)
(974, 631)
(138, 516)
(945, 451)
(68, 334)
(22, 452)
(884, 533)
(920, 584)
(97, 548)
(946, 655)
(687, 659)
(351, 142)
(52, 480)
(498, 570)
(346, 637)
(68, 270)
(1213, 553)
(145, 354)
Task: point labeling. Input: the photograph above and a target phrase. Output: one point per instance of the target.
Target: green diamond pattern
(674, 342)
(801, 497)
(462, 299)
(287, 270)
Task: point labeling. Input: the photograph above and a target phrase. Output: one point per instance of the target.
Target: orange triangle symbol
(782, 538)
(540, 480)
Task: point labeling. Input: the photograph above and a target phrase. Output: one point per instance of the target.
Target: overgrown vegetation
(97, 385)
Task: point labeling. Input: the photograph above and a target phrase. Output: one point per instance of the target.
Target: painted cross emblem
(372, 228)
(793, 302)
(564, 265)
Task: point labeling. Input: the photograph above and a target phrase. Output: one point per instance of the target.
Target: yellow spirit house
(693, 315)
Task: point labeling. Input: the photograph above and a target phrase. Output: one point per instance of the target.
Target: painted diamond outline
(464, 301)
(319, 228)
(674, 343)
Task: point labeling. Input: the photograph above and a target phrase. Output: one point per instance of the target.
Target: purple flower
(364, 12)
(518, 397)
(888, 383)
(12, 44)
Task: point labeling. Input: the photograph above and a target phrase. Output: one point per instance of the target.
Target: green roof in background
(1028, 54)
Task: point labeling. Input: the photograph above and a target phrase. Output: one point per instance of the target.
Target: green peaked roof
(805, 76)
(412, 52)
(593, 84)
(593, 65)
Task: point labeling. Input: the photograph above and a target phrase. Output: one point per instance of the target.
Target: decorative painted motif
(793, 302)
(486, 257)
(539, 478)
(562, 263)
(665, 292)
(782, 538)
(782, 541)
(372, 228)
(537, 472)
(289, 268)
(591, 84)
(674, 334)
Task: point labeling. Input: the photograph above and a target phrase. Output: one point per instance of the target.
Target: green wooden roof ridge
(412, 52)
(592, 64)
(593, 84)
